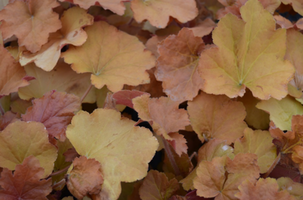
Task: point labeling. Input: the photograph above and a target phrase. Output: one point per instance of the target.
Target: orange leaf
(211, 117)
(115, 6)
(178, 142)
(32, 25)
(62, 78)
(158, 12)
(123, 149)
(114, 57)
(156, 186)
(263, 189)
(221, 177)
(55, 110)
(25, 182)
(85, 177)
(249, 53)
(12, 75)
(210, 177)
(71, 33)
(165, 114)
(177, 65)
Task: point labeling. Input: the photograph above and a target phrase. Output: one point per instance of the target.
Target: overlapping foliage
(214, 88)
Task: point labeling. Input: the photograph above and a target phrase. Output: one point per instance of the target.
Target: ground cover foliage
(151, 100)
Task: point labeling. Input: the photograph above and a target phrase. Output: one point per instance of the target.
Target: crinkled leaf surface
(122, 149)
(113, 57)
(24, 183)
(115, 6)
(164, 112)
(249, 53)
(55, 110)
(85, 177)
(177, 65)
(22, 139)
(71, 33)
(281, 112)
(12, 75)
(158, 12)
(260, 143)
(263, 189)
(218, 117)
(221, 177)
(210, 177)
(156, 186)
(61, 78)
(32, 25)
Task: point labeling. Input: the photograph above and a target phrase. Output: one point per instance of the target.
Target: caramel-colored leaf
(113, 57)
(217, 117)
(215, 148)
(25, 182)
(61, 78)
(55, 110)
(116, 6)
(33, 23)
(165, 114)
(22, 139)
(263, 189)
(12, 75)
(156, 186)
(249, 53)
(177, 65)
(260, 143)
(71, 33)
(221, 177)
(210, 177)
(158, 12)
(122, 149)
(85, 177)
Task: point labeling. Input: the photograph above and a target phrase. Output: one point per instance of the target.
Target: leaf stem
(1, 110)
(86, 92)
(59, 171)
(274, 164)
(170, 156)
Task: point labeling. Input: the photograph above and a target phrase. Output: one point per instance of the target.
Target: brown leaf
(25, 182)
(85, 177)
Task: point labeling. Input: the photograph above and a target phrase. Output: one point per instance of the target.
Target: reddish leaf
(25, 182)
(55, 110)
(156, 186)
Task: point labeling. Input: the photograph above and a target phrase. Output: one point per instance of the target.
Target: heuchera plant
(151, 99)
